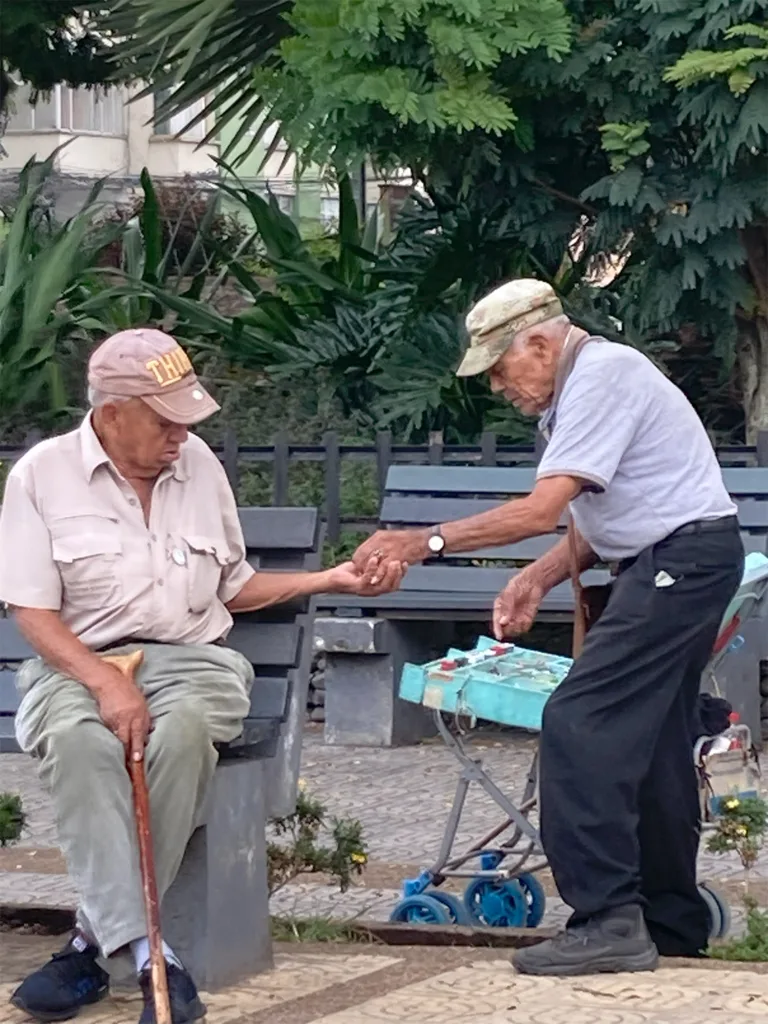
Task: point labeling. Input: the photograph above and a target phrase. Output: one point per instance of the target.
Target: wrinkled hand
(124, 711)
(377, 578)
(408, 546)
(514, 610)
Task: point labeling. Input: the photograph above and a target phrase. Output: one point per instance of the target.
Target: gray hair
(98, 398)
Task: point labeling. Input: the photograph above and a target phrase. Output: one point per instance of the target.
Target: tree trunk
(752, 345)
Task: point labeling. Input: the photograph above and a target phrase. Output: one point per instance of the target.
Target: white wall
(96, 155)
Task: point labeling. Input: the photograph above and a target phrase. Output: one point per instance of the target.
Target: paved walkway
(364, 985)
(402, 797)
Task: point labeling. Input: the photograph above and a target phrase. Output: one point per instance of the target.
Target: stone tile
(22, 888)
(402, 797)
(491, 993)
(295, 977)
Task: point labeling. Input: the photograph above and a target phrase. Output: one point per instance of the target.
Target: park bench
(366, 642)
(216, 914)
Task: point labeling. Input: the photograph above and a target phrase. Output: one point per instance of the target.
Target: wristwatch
(436, 542)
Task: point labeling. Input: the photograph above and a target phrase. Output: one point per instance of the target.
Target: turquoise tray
(496, 682)
(510, 685)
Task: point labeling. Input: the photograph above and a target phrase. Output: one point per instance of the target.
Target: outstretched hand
(377, 577)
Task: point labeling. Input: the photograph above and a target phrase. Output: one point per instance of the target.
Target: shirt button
(161, 583)
(154, 536)
(132, 501)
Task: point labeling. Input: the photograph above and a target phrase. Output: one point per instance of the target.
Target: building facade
(100, 133)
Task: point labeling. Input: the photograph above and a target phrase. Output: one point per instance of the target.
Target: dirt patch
(46, 860)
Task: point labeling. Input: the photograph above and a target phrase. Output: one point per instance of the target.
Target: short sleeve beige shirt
(73, 540)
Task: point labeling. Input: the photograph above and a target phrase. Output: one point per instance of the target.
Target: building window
(329, 210)
(173, 126)
(101, 111)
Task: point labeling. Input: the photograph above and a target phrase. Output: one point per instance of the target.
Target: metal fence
(284, 454)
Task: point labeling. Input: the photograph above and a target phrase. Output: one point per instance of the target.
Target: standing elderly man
(125, 532)
(630, 458)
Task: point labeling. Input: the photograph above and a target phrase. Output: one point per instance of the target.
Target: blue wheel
(457, 912)
(496, 904)
(536, 899)
(712, 893)
(716, 922)
(420, 910)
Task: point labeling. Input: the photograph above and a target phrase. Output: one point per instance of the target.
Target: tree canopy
(50, 41)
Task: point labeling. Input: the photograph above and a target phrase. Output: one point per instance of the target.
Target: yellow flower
(302, 784)
(731, 804)
(742, 831)
(359, 858)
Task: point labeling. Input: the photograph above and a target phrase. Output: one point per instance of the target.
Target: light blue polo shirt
(621, 425)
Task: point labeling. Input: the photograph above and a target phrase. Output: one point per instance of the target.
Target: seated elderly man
(125, 532)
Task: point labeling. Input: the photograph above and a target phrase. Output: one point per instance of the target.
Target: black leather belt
(140, 641)
(707, 526)
(698, 526)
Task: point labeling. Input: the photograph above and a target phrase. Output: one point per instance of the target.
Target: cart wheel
(457, 912)
(726, 921)
(536, 899)
(715, 913)
(420, 910)
(496, 904)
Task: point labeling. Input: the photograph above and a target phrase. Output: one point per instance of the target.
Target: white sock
(140, 950)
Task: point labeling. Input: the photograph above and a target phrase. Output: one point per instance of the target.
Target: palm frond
(203, 50)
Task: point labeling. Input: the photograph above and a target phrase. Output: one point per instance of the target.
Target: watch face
(436, 544)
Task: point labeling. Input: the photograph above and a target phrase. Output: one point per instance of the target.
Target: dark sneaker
(613, 942)
(185, 1002)
(70, 980)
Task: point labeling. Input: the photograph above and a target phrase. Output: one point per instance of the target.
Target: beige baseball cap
(151, 365)
(494, 321)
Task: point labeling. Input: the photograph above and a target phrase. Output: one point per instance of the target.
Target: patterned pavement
(401, 795)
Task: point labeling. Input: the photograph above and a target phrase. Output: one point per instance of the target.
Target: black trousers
(620, 815)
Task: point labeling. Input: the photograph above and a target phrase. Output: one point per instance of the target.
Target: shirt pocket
(207, 558)
(88, 551)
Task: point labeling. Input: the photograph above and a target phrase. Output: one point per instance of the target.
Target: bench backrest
(419, 496)
(277, 642)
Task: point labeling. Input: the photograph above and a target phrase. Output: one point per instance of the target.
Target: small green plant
(301, 851)
(314, 929)
(12, 819)
(753, 946)
(740, 828)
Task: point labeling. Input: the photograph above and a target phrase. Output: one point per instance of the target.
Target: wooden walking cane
(128, 664)
(590, 602)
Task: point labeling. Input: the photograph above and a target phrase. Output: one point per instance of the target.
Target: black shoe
(182, 992)
(70, 980)
(616, 941)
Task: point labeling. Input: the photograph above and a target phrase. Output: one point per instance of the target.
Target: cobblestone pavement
(359, 985)
(402, 797)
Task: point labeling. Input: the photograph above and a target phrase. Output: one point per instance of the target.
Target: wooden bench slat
(470, 579)
(421, 510)
(13, 646)
(269, 697)
(270, 529)
(741, 481)
(455, 479)
(267, 643)
(9, 697)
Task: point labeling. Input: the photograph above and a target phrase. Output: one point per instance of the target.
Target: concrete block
(365, 658)
(216, 913)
